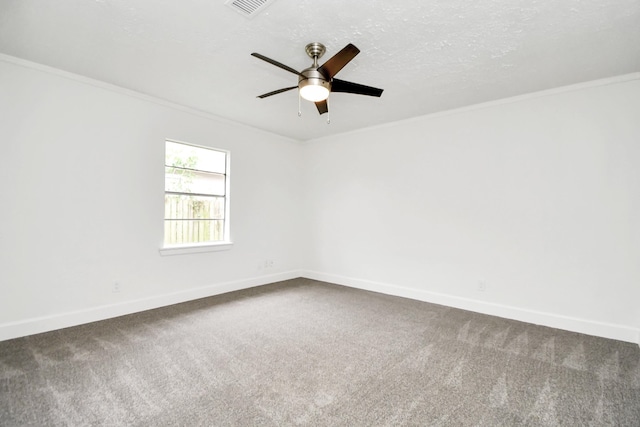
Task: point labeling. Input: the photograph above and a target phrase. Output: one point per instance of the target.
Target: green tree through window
(195, 194)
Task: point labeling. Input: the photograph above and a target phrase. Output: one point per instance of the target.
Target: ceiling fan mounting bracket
(315, 50)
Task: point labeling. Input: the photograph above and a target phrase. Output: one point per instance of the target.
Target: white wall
(539, 197)
(81, 193)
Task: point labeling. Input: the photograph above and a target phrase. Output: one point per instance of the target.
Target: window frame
(200, 247)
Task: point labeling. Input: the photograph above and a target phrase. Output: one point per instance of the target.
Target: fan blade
(275, 92)
(349, 87)
(339, 60)
(276, 63)
(323, 107)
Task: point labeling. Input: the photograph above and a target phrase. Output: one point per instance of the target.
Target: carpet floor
(303, 352)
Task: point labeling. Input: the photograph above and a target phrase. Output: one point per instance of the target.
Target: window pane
(181, 207)
(189, 181)
(193, 231)
(195, 194)
(188, 156)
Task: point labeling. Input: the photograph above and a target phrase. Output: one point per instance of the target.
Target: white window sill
(195, 249)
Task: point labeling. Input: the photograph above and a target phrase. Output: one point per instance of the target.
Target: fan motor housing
(313, 77)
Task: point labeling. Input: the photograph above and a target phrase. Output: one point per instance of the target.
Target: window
(195, 195)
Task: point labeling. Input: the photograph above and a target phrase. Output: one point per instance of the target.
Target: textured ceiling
(429, 56)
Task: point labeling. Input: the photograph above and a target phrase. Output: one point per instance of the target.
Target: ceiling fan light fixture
(315, 83)
(314, 90)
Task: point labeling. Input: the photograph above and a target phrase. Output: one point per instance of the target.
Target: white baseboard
(64, 320)
(37, 325)
(584, 326)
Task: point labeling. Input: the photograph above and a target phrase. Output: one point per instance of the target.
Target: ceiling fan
(316, 82)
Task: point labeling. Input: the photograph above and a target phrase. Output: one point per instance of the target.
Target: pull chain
(299, 109)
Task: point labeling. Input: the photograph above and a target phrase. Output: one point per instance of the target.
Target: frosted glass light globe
(314, 93)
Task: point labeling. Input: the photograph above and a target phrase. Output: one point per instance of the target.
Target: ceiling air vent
(248, 8)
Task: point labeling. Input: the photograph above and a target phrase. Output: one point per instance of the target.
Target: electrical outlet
(482, 286)
(266, 264)
(116, 287)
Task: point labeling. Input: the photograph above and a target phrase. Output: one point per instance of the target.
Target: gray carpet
(303, 352)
